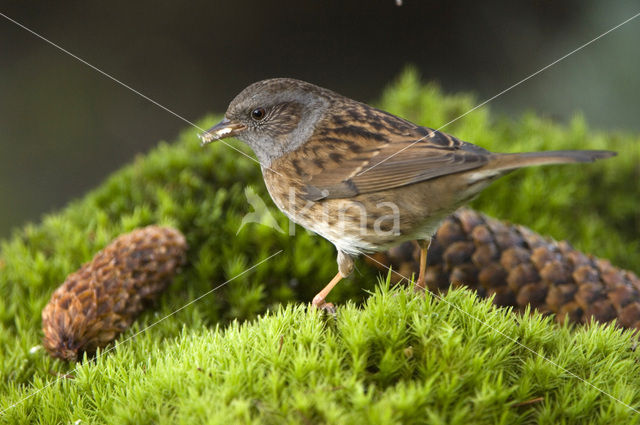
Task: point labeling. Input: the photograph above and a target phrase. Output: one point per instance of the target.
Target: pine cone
(102, 299)
(520, 268)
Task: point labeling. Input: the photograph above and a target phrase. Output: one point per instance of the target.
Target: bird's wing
(400, 154)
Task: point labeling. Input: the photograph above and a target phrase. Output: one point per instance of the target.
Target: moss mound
(392, 357)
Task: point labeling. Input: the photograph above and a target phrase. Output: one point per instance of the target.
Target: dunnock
(358, 176)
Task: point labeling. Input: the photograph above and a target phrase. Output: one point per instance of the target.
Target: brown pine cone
(520, 268)
(102, 299)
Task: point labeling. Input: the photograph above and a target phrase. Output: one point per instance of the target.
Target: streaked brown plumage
(101, 300)
(520, 269)
(325, 158)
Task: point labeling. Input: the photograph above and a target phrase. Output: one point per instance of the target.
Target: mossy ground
(386, 357)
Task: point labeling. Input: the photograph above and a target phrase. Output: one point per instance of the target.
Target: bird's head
(272, 116)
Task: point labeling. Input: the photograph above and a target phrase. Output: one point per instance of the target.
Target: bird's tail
(510, 161)
(502, 163)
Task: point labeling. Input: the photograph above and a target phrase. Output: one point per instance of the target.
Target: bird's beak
(225, 128)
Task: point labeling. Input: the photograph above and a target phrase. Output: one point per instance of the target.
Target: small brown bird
(360, 177)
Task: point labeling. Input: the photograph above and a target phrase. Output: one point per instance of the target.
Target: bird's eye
(258, 114)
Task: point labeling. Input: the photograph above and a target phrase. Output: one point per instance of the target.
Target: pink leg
(319, 300)
(421, 284)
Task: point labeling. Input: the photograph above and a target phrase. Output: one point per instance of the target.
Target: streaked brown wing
(398, 161)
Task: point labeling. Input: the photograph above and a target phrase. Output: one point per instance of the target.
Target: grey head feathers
(292, 109)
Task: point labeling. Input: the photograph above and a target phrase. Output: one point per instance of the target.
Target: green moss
(356, 368)
(398, 359)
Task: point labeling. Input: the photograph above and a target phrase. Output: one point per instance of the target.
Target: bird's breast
(353, 225)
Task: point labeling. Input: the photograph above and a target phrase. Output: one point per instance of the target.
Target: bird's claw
(326, 307)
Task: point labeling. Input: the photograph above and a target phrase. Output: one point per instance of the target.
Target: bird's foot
(321, 304)
(328, 308)
(419, 286)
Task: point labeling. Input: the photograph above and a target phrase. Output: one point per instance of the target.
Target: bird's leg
(345, 267)
(421, 284)
(319, 300)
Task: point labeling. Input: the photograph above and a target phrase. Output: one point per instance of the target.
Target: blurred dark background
(64, 127)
